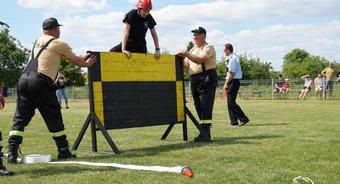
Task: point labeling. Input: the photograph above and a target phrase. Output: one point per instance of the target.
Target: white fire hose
(42, 158)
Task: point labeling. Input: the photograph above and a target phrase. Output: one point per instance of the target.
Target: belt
(207, 72)
(28, 73)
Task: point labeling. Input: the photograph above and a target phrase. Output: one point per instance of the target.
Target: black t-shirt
(138, 29)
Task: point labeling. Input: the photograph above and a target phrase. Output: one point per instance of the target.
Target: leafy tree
(73, 74)
(13, 57)
(254, 68)
(186, 72)
(190, 46)
(275, 74)
(221, 70)
(299, 62)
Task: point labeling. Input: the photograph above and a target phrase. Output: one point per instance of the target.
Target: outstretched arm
(84, 61)
(126, 32)
(192, 57)
(156, 43)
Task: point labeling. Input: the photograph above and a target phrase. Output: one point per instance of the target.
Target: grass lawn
(284, 139)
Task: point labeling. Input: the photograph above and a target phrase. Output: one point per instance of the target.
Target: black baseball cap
(50, 23)
(199, 30)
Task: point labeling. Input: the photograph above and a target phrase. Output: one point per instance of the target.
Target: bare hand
(225, 87)
(157, 54)
(87, 56)
(90, 60)
(127, 53)
(182, 53)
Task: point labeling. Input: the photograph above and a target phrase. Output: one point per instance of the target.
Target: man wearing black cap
(36, 91)
(201, 62)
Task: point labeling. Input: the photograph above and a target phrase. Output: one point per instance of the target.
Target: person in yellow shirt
(330, 75)
(36, 90)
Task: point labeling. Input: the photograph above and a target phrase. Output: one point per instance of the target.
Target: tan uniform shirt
(206, 50)
(330, 73)
(50, 58)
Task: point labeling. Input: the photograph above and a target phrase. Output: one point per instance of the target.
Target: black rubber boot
(3, 170)
(200, 137)
(63, 148)
(13, 148)
(65, 154)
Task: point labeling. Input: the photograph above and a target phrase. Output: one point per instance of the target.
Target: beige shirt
(330, 73)
(50, 58)
(206, 50)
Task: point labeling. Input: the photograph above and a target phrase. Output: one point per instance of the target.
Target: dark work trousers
(235, 111)
(36, 90)
(130, 47)
(203, 87)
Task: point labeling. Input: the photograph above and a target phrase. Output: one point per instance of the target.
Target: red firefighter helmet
(144, 4)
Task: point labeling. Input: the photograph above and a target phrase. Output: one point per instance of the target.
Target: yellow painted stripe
(98, 100)
(141, 67)
(180, 101)
(16, 132)
(58, 134)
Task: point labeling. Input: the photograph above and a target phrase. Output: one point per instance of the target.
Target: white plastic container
(37, 158)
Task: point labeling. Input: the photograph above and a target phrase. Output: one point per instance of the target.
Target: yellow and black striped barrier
(136, 92)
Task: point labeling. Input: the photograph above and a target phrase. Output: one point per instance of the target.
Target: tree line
(298, 62)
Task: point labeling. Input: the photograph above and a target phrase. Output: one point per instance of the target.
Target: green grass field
(284, 139)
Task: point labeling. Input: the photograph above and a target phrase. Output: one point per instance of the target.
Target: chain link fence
(249, 90)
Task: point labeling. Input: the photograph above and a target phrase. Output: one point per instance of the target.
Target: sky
(267, 29)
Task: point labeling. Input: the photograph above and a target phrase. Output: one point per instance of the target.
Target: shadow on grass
(155, 150)
(57, 170)
(269, 124)
(149, 151)
(243, 139)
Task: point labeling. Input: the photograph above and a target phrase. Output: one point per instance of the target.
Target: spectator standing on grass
(61, 89)
(232, 85)
(318, 83)
(4, 89)
(306, 87)
(330, 75)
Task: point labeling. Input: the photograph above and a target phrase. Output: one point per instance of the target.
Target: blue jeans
(329, 85)
(62, 92)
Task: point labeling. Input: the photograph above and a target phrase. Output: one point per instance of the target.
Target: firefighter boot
(13, 147)
(200, 137)
(3, 170)
(63, 148)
